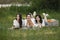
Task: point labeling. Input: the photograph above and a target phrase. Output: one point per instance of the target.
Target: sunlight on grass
(10, 17)
(50, 32)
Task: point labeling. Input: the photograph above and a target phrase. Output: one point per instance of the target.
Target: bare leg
(45, 19)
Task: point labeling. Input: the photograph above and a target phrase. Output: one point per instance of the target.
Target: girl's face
(18, 17)
(28, 17)
(37, 18)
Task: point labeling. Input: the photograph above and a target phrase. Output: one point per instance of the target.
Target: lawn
(44, 33)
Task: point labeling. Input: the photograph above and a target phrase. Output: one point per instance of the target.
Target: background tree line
(46, 4)
(36, 5)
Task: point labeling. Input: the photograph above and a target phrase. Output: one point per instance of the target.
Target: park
(8, 14)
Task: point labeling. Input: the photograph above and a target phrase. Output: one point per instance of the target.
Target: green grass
(45, 33)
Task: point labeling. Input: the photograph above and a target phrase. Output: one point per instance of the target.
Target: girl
(29, 22)
(17, 23)
(38, 21)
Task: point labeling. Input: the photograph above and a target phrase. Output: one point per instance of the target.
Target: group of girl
(29, 22)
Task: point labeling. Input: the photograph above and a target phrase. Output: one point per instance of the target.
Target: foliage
(45, 4)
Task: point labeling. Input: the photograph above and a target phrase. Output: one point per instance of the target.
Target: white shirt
(32, 19)
(16, 23)
(43, 23)
(23, 23)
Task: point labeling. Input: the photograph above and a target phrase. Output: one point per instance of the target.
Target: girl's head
(19, 18)
(38, 18)
(28, 16)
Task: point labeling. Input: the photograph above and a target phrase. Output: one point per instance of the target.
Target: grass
(45, 33)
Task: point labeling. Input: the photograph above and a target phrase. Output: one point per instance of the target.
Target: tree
(45, 4)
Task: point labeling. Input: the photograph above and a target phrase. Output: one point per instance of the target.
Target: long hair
(39, 20)
(20, 20)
